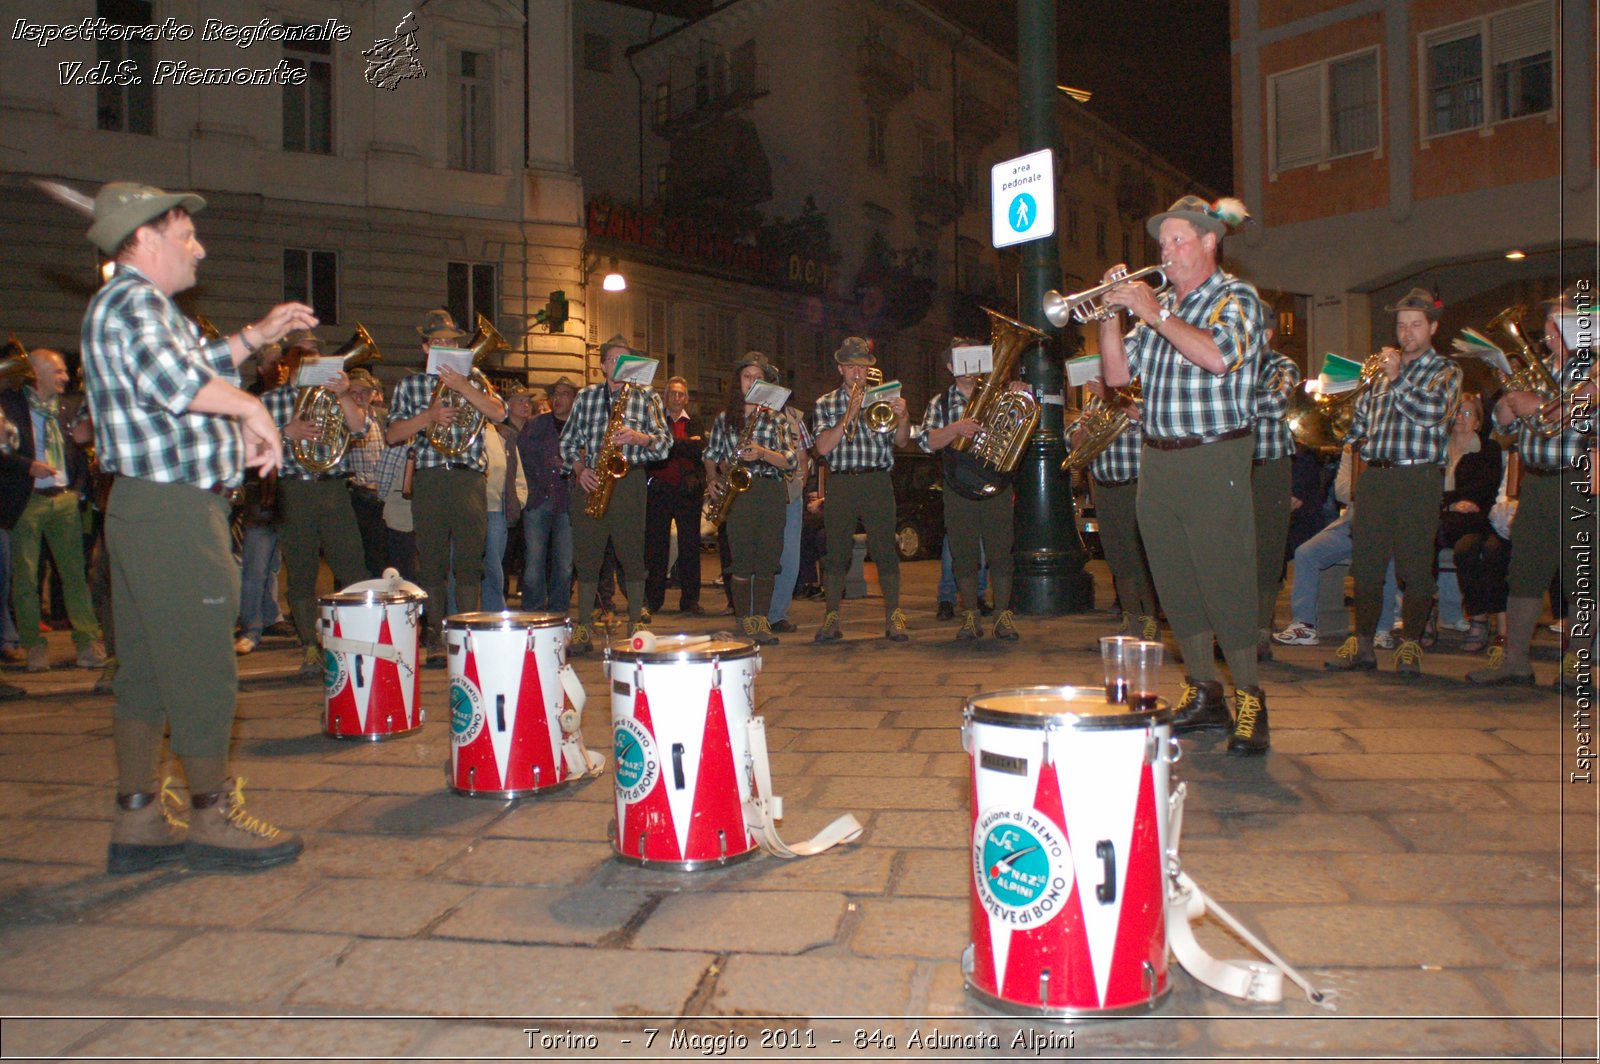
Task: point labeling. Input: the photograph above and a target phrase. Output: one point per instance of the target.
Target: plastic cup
(1143, 664)
(1113, 657)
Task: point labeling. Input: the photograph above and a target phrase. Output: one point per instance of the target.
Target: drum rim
(368, 598)
(1066, 719)
(746, 648)
(502, 620)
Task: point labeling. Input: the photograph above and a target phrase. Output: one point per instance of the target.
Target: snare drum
(370, 640)
(506, 702)
(1069, 830)
(679, 717)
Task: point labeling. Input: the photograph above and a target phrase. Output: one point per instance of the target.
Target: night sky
(1159, 70)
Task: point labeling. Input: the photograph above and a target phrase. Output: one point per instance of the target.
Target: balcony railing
(725, 89)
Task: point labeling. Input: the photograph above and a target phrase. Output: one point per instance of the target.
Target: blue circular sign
(1023, 212)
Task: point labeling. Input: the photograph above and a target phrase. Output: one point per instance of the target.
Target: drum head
(719, 646)
(1061, 707)
(368, 598)
(505, 620)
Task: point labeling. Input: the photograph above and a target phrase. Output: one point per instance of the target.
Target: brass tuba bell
(15, 368)
(322, 407)
(457, 438)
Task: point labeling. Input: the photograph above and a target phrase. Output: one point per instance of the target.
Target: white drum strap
(580, 760)
(761, 812)
(338, 644)
(1244, 979)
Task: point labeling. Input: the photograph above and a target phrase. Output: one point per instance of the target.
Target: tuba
(457, 438)
(1322, 421)
(611, 465)
(980, 467)
(1103, 422)
(725, 489)
(1533, 375)
(321, 407)
(15, 368)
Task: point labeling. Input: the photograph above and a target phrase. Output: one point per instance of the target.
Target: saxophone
(725, 489)
(611, 465)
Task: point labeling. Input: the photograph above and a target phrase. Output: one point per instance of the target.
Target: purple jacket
(539, 447)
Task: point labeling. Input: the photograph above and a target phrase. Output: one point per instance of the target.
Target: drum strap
(338, 644)
(761, 812)
(581, 761)
(1244, 979)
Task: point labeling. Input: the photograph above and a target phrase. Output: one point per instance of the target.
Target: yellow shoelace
(1249, 706)
(1190, 693)
(1497, 656)
(1349, 649)
(169, 803)
(1005, 622)
(897, 620)
(243, 820)
(1149, 629)
(1408, 653)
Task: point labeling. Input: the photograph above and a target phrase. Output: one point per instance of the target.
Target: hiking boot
(894, 629)
(985, 607)
(762, 633)
(1203, 707)
(830, 632)
(223, 837)
(12, 657)
(1297, 635)
(582, 642)
(945, 612)
(1497, 652)
(1568, 681)
(310, 665)
(92, 656)
(969, 629)
(108, 673)
(145, 833)
(1128, 626)
(1149, 629)
(644, 616)
(1006, 627)
(39, 658)
(784, 624)
(1348, 658)
(1408, 659)
(1250, 734)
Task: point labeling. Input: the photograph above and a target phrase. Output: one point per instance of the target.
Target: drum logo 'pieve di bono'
(1022, 866)
(333, 675)
(635, 755)
(466, 710)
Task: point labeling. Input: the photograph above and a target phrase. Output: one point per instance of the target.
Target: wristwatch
(1161, 318)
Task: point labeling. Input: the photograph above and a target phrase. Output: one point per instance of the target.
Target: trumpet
(458, 437)
(880, 416)
(320, 406)
(1089, 305)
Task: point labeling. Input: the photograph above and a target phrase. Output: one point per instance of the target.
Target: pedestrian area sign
(1023, 198)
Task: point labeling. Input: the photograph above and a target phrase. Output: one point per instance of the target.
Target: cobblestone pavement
(1412, 846)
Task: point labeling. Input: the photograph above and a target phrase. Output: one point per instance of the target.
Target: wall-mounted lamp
(1516, 256)
(614, 281)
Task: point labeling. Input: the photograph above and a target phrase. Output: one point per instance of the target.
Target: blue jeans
(547, 537)
(947, 576)
(789, 565)
(1323, 551)
(494, 571)
(258, 591)
(8, 625)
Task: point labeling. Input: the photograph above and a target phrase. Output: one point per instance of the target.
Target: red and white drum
(1069, 832)
(370, 640)
(679, 717)
(506, 702)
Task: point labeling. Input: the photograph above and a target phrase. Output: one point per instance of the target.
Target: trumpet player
(1271, 475)
(859, 461)
(1548, 460)
(316, 517)
(643, 438)
(974, 528)
(448, 506)
(758, 439)
(1195, 348)
(1403, 418)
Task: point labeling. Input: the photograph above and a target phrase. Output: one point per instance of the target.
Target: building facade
(1443, 143)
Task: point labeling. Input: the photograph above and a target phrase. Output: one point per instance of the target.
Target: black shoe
(947, 611)
(437, 656)
(1250, 733)
(693, 609)
(279, 628)
(1203, 707)
(785, 625)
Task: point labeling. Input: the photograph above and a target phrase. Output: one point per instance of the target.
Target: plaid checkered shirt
(1119, 463)
(1276, 379)
(365, 456)
(1180, 398)
(280, 404)
(772, 433)
(867, 451)
(411, 397)
(143, 363)
(585, 431)
(391, 466)
(1561, 450)
(1407, 420)
(943, 409)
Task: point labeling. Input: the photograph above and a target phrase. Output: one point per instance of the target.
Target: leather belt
(1183, 443)
(1541, 471)
(853, 472)
(318, 478)
(1116, 483)
(1409, 463)
(49, 493)
(1264, 461)
(231, 494)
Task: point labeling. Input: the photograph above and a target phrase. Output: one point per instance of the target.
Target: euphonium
(457, 438)
(879, 416)
(725, 489)
(1102, 423)
(610, 465)
(1089, 305)
(208, 331)
(15, 367)
(983, 464)
(1533, 375)
(1322, 421)
(321, 407)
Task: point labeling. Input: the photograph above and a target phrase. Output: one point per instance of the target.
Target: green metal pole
(1050, 578)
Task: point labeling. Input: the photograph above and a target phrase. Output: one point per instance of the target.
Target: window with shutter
(1353, 104)
(1520, 51)
(1297, 118)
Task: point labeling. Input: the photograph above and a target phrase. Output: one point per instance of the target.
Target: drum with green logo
(1069, 832)
(679, 717)
(370, 640)
(506, 702)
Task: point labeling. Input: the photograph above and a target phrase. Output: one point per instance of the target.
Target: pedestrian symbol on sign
(1023, 212)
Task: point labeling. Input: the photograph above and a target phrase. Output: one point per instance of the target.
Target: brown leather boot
(145, 833)
(223, 837)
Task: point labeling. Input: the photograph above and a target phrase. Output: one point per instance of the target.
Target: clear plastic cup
(1113, 657)
(1142, 662)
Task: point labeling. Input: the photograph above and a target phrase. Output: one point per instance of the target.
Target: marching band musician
(1271, 476)
(859, 461)
(171, 422)
(1114, 476)
(1404, 418)
(448, 505)
(644, 438)
(1195, 348)
(1536, 539)
(316, 517)
(975, 528)
(756, 521)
